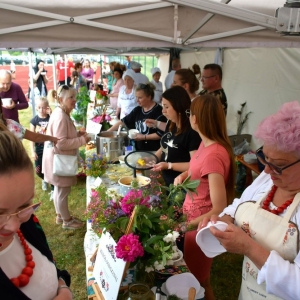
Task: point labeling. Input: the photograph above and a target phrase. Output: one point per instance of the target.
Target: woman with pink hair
(263, 223)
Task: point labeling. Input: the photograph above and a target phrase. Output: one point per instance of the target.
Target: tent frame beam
(230, 11)
(83, 21)
(201, 24)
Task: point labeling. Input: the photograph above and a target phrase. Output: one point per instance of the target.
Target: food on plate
(141, 162)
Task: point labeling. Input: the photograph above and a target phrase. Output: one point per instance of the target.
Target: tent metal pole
(54, 72)
(65, 69)
(225, 34)
(31, 95)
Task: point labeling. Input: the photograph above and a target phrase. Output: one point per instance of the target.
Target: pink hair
(282, 130)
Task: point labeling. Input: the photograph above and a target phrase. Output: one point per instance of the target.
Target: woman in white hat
(156, 73)
(126, 98)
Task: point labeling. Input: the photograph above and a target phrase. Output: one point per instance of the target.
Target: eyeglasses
(188, 113)
(206, 77)
(143, 86)
(22, 214)
(277, 170)
(63, 87)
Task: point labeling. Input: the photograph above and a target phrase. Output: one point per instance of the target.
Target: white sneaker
(51, 195)
(44, 185)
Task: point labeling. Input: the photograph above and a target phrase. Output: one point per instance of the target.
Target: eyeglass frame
(63, 87)
(34, 207)
(188, 113)
(275, 169)
(206, 77)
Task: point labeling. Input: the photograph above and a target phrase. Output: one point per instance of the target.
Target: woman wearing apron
(267, 215)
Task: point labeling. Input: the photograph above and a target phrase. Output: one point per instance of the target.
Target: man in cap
(212, 83)
(156, 73)
(176, 65)
(139, 77)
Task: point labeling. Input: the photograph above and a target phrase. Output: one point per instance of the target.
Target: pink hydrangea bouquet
(156, 226)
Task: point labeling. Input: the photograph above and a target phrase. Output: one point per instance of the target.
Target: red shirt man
(60, 71)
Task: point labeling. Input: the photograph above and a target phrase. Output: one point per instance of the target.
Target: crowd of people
(185, 127)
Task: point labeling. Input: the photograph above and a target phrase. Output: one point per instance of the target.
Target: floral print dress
(16, 128)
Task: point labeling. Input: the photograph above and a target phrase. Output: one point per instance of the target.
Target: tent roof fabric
(116, 27)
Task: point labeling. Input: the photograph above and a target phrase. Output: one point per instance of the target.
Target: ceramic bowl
(132, 133)
(208, 243)
(180, 284)
(6, 101)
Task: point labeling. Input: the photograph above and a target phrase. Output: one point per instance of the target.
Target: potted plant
(83, 100)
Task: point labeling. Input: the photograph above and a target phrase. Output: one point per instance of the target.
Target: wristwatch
(169, 166)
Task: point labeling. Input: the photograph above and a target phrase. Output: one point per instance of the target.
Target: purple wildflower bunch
(95, 165)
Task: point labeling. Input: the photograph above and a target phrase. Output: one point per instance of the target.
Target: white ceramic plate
(208, 243)
(199, 295)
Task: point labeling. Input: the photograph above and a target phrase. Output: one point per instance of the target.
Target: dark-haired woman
(113, 96)
(39, 76)
(188, 80)
(148, 138)
(180, 141)
(213, 164)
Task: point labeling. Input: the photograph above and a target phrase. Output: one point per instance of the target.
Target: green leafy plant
(83, 100)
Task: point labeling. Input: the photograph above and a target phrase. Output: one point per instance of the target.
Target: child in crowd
(156, 73)
(36, 92)
(39, 124)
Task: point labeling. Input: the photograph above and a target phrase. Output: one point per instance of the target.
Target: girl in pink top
(113, 96)
(87, 72)
(213, 164)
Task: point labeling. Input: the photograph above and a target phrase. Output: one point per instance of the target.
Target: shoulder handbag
(65, 165)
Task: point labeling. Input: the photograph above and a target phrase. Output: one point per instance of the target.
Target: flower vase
(141, 275)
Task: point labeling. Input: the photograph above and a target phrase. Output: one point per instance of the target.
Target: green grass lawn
(67, 245)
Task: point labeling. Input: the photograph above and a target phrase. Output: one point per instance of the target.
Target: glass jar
(139, 291)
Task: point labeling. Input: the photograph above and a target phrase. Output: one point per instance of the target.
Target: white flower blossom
(149, 269)
(158, 266)
(175, 235)
(168, 238)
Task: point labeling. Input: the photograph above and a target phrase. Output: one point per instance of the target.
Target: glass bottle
(138, 291)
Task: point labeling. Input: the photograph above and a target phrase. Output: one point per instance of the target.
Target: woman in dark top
(180, 141)
(148, 138)
(39, 76)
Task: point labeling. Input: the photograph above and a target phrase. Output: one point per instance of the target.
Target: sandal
(72, 224)
(59, 220)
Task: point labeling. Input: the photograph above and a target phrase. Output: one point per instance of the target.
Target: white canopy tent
(260, 65)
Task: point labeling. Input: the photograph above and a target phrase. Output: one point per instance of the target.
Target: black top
(35, 235)
(219, 94)
(176, 148)
(40, 124)
(136, 120)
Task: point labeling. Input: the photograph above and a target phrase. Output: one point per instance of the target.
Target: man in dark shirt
(212, 83)
(9, 89)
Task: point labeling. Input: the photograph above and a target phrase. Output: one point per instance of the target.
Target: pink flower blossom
(107, 118)
(94, 194)
(129, 248)
(133, 198)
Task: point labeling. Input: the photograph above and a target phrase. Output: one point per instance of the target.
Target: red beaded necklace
(269, 199)
(24, 277)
